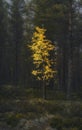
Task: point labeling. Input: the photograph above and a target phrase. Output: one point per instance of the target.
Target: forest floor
(23, 111)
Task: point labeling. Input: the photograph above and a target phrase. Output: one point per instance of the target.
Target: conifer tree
(3, 40)
(17, 30)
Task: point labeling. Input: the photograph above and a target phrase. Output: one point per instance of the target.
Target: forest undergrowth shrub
(75, 109)
(64, 123)
(54, 107)
(59, 95)
(12, 119)
(56, 122)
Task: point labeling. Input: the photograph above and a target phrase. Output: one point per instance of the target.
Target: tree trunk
(69, 82)
(44, 89)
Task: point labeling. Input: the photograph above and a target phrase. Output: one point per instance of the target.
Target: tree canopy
(41, 48)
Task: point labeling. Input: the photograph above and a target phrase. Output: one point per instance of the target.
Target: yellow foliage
(41, 48)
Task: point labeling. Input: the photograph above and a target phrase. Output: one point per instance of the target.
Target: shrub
(56, 122)
(63, 123)
(72, 122)
(74, 128)
(80, 127)
(68, 123)
(12, 120)
(54, 107)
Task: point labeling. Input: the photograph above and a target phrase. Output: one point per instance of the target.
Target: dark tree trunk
(44, 89)
(69, 82)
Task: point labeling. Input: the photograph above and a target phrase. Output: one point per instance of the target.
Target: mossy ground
(24, 104)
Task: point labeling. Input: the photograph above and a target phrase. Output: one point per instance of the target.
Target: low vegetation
(64, 114)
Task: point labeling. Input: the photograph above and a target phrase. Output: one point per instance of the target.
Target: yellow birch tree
(41, 48)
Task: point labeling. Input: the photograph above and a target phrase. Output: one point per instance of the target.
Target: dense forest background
(25, 102)
(63, 22)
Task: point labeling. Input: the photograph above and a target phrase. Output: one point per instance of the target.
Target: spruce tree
(17, 30)
(3, 41)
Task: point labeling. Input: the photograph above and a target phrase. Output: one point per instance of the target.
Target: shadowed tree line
(63, 22)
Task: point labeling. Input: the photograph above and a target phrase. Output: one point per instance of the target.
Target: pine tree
(17, 30)
(3, 41)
